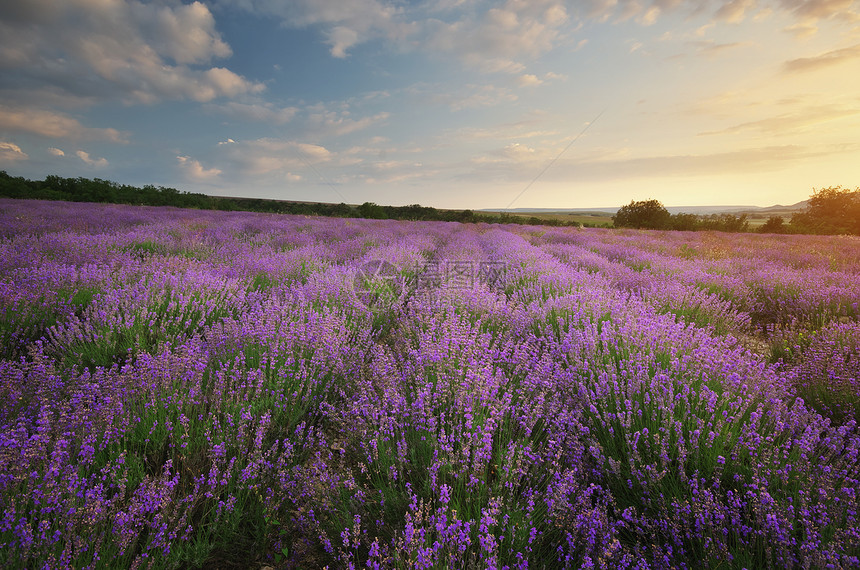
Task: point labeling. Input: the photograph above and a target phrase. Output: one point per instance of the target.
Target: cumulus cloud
(499, 37)
(528, 80)
(186, 33)
(195, 171)
(53, 125)
(137, 51)
(493, 38)
(10, 152)
(56, 152)
(90, 161)
(344, 23)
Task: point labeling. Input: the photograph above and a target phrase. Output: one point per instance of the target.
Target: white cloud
(56, 152)
(53, 125)
(649, 17)
(518, 152)
(133, 50)
(341, 39)
(734, 10)
(493, 38)
(516, 156)
(812, 10)
(344, 23)
(94, 162)
(498, 39)
(528, 80)
(646, 12)
(268, 156)
(10, 152)
(313, 152)
(185, 33)
(195, 171)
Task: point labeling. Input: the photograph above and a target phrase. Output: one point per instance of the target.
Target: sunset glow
(446, 103)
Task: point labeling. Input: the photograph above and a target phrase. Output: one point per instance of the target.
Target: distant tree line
(652, 215)
(831, 210)
(98, 190)
(427, 213)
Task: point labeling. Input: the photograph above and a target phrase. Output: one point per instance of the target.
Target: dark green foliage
(372, 211)
(685, 222)
(724, 223)
(97, 190)
(773, 225)
(832, 210)
(647, 214)
(651, 215)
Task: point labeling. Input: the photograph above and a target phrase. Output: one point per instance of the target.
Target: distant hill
(698, 210)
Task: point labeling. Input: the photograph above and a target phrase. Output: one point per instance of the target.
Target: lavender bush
(184, 388)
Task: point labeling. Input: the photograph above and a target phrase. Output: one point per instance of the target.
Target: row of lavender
(181, 388)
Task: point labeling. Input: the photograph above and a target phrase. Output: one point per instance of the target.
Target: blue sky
(447, 103)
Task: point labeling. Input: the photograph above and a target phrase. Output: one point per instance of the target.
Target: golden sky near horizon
(453, 104)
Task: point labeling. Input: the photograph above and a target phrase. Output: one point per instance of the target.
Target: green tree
(685, 222)
(725, 223)
(773, 225)
(15, 187)
(647, 214)
(372, 210)
(832, 210)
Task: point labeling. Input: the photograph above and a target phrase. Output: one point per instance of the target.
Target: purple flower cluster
(184, 388)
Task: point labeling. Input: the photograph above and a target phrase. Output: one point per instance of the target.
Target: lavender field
(183, 389)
